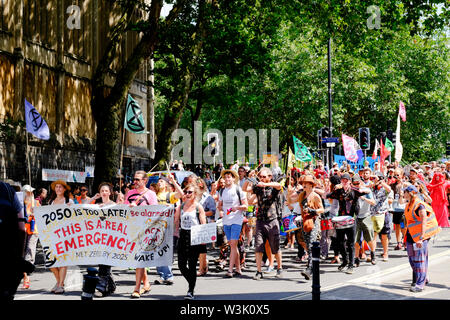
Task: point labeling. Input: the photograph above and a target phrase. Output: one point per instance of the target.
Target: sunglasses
(356, 184)
(83, 190)
(189, 192)
(263, 177)
(136, 179)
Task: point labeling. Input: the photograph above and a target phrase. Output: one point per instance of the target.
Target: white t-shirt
(188, 219)
(230, 199)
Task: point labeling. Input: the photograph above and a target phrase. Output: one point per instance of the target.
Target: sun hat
(28, 188)
(234, 173)
(61, 182)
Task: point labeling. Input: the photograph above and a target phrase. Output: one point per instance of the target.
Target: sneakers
(189, 296)
(307, 274)
(349, 270)
(415, 289)
(59, 290)
(373, 259)
(159, 281)
(279, 273)
(357, 262)
(258, 276)
(342, 266)
(269, 270)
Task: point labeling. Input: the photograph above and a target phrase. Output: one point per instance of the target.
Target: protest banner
(115, 235)
(203, 233)
(356, 166)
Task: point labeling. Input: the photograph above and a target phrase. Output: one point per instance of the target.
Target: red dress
(438, 194)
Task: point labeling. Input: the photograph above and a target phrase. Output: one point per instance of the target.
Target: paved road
(384, 281)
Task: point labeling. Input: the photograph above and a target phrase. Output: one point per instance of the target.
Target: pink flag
(402, 111)
(350, 148)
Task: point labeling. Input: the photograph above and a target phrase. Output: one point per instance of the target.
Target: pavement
(384, 281)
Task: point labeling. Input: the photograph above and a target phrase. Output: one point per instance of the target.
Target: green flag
(389, 145)
(301, 151)
(134, 119)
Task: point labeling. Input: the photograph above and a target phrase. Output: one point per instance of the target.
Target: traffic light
(319, 137)
(213, 142)
(325, 133)
(364, 138)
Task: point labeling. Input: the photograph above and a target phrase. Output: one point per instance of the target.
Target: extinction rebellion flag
(36, 125)
(301, 151)
(134, 119)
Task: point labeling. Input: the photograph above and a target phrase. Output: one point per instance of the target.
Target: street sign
(330, 140)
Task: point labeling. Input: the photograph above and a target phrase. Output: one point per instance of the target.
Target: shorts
(378, 222)
(387, 225)
(267, 230)
(233, 231)
(397, 217)
(364, 226)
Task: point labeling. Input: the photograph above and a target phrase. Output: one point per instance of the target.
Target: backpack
(238, 192)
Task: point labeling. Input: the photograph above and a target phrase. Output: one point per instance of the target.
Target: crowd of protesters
(346, 211)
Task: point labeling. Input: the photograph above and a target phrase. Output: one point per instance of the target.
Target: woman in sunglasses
(189, 213)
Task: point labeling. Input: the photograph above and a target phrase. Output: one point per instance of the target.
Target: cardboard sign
(203, 233)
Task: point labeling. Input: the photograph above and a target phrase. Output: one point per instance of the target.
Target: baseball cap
(410, 188)
(356, 178)
(346, 176)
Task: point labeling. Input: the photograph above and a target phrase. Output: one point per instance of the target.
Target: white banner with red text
(114, 235)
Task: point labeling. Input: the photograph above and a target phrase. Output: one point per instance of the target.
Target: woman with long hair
(106, 284)
(60, 195)
(188, 214)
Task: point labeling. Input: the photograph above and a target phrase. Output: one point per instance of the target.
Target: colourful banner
(356, 166)
(301, 152)
(66, 175)
(115, 235)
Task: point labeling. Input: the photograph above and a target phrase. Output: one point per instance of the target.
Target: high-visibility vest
(414, 222)
(31, 221)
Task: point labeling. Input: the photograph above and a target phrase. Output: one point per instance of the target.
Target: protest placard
(203, 233)
(116, 235)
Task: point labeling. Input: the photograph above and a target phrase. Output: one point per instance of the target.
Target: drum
(326, 224)
(343, 222)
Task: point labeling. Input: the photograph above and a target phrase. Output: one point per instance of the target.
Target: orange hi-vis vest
(414, 222)
(30, 205)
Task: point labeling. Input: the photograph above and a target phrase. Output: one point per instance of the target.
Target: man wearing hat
(232, 204)
(421, 225)
(364, 225)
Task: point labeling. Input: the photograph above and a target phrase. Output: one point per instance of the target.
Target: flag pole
(121, 158)
(28, 160)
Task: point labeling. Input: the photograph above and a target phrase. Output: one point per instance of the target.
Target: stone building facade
(48, 52)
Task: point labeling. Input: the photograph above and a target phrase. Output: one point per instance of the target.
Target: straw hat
(234, 173)
(310, 179)
(61, 182)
